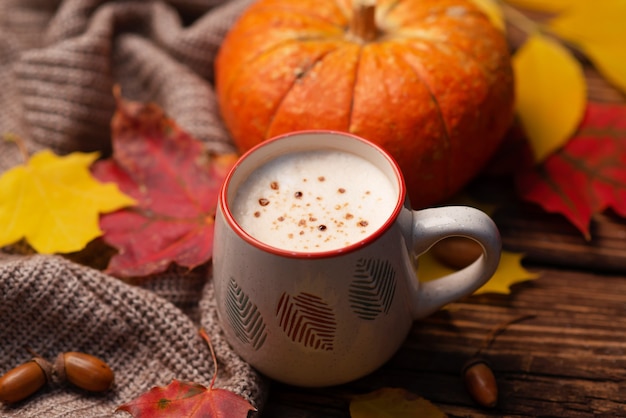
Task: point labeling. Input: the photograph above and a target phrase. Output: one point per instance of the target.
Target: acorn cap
(59, 368)
(472, 361)
(45, 365)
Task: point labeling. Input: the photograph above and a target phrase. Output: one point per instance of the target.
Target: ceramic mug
(329, 316)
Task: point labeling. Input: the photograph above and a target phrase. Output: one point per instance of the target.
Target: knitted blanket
(59, 61)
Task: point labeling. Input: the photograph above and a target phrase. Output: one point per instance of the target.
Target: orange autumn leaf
(393, 403)
(54, 203)
(175, 182)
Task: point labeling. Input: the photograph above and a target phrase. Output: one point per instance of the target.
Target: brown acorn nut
(19, 383)
(457, 252)
(84, 370)
(480, 382)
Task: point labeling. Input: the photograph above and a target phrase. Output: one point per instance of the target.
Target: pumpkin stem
(363, 24)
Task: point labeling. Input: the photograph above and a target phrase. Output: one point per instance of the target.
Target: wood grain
(569, 360)
(551, 239)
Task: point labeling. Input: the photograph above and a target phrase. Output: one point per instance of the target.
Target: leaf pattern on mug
(307, 320)
(244, 316)
(371, 291)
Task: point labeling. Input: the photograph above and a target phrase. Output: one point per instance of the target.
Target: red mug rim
(230, 219)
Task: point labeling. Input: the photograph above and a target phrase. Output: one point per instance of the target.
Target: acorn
(456, 252)
(480, 382)
(24, 380)
(84, 370)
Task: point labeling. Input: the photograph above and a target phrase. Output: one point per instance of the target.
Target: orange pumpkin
(428, 80)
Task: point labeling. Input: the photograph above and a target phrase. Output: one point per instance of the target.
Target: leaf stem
(498, 329)
(529, 26)
(520, 20)
(31, 351)
(206, 338)
(19, 142)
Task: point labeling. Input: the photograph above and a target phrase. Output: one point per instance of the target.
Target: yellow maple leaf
(509, 272)
(550, 93)
(54, 202)
(491, 8)
(393, 403)
(599, 30)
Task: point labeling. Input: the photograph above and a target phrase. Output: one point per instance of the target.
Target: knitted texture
(52, 305)
(59, 64)
(59, 61)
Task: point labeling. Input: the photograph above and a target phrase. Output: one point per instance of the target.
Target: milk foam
(314, 201)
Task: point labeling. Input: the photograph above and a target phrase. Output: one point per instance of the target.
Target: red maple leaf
(175, 182)
(187, 400)
(588, 175)
(181, 399)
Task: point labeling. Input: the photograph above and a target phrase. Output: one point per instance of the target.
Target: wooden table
(567, 360)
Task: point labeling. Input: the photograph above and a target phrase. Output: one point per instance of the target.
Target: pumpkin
(428, 80)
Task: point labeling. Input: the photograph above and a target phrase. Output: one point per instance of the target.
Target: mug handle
(432, 225)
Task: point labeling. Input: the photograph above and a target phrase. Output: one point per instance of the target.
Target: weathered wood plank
(549, 238)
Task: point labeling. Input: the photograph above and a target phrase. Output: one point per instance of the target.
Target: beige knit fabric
(59, 60)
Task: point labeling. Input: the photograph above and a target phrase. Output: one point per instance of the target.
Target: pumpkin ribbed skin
(434, 88)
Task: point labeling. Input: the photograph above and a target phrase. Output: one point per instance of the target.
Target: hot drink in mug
(315, 254)
(314, 201)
